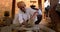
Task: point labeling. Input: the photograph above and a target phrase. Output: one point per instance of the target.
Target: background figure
(47, 10)
(47, 7)
(33, 7)
(39, 16)
(6, 19)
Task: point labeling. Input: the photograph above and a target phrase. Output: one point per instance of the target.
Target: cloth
(46, 4)
(21, 16)
(39, 16)
(39, 12)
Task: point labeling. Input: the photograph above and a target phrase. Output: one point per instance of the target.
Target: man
(24, 14)
(6, 20)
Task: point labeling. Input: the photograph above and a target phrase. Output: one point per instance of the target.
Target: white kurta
(39, 12)
(21, 17)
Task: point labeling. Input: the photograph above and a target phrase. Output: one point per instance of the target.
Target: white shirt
(46, 4)
(39, 12)
(24, 16)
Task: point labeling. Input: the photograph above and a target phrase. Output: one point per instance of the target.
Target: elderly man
(24, 14)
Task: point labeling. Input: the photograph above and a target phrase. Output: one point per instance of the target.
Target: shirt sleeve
(15, 18)
(18, 18)
(31, 14)
(39, 12)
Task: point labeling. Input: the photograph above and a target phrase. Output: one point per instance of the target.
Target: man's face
(22, 6)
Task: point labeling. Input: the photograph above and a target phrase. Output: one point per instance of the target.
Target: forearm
(34, 15)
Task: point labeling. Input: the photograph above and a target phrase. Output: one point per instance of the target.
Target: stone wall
(5, 5)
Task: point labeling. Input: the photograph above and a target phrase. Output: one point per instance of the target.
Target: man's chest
(25, 16)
